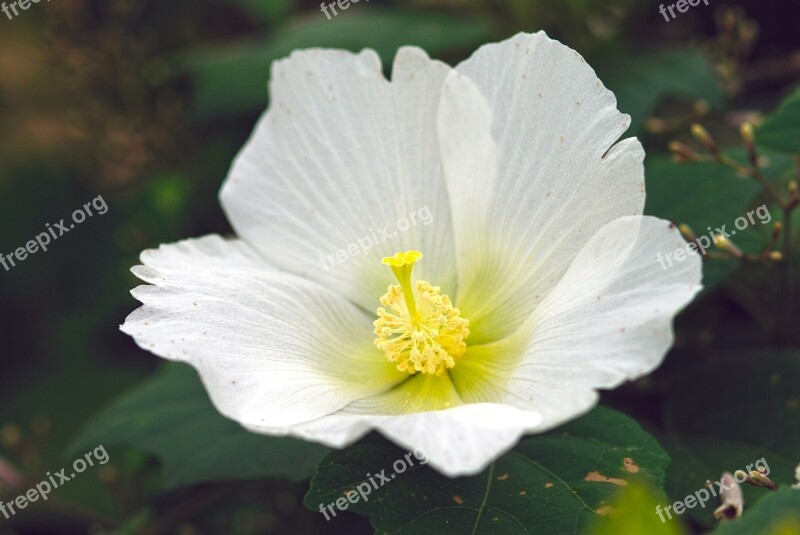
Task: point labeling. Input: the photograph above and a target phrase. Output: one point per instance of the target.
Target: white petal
(458, 441)
(346, 161)
(271, 348)
(608, 320)
(526, 127)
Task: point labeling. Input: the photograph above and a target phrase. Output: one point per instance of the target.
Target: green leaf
(781, 130)
(777, 514)
(640, 81)
(705, 195)
(171, 417)
(731, 411)
(554, 483)
(234, 79)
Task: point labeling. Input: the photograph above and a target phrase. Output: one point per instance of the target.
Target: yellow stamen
(421, 330)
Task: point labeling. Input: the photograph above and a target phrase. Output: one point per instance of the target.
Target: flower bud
(760, 480)
(731, 498)
(687, 232)
(702, 135)
(749, 137)
(728, 246)
(748, 134)
(681, 152)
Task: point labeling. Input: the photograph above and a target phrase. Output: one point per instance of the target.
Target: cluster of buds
(788, 201)
(728, 250)
(683, 153)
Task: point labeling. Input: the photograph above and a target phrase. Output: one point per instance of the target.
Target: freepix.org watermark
(53, 481)
(12, 7)
(376, 237)
(718, 488)
(41, 241)
(716, 236)
(372, 482)
(681, 5)
(342, 4)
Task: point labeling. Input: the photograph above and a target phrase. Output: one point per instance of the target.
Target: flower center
(417, 327)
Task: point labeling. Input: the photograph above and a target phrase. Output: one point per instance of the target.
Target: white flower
(537, 238)
(797, 476)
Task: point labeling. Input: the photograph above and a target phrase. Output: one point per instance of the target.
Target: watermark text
(55, 231)
(372, 482)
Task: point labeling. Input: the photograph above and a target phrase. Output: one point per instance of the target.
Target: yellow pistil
(417, 327)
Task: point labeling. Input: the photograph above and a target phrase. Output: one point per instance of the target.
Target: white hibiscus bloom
(537, 238)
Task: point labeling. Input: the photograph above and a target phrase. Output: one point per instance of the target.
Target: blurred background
(146, 102)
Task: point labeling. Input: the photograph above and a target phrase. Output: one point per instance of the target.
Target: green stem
(755, 172)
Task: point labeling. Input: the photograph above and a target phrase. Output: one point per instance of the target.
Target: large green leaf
(640, 81)
(559, 482)
(234, 79)
(731, 411)
(781, 130)
(776, 514)
(171, 417)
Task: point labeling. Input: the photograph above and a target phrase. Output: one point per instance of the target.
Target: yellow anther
(418, 328)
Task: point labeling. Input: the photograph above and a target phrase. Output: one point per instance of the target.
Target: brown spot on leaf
(606, 510)
(548, 485)
(502, 478)
(458, 499)
(630, 466)
(523, 493)
(600, 478)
